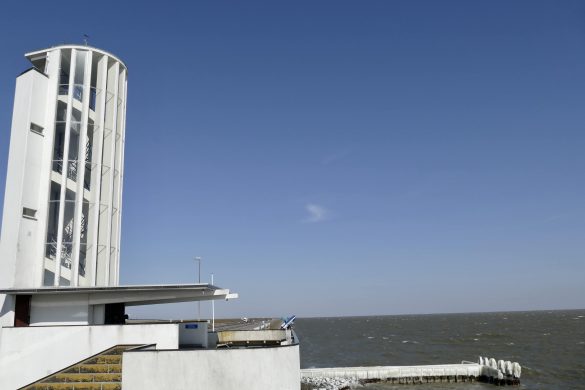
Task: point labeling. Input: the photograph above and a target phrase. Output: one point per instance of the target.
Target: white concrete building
(60, 299)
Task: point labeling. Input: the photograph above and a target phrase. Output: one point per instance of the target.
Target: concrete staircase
(99, 372)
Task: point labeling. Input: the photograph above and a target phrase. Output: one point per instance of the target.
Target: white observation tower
(62, 206)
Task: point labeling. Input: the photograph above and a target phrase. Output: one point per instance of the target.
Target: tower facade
(63, 199)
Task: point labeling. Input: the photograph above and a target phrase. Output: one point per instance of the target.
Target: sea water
(549, 345)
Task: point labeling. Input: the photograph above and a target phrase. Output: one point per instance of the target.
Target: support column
(101, 86)
(123, 147)
(79, 198)
(116, 200)
(112, 162)
(52, 69)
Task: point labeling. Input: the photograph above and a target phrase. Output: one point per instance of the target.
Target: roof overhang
(131, 295)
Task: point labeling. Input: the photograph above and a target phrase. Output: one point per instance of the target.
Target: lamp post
(198, 260)
(212, 309)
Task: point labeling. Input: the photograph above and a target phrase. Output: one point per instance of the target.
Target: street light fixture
(198, 260)
(212, 309)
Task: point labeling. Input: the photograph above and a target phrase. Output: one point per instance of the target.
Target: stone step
(91, 377)
(100, 372)
(89, 368)
(75, 386)
(105, 359)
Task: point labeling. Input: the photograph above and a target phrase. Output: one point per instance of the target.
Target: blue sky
(342, 157)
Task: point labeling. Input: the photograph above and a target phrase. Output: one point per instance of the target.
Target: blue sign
(191, 326)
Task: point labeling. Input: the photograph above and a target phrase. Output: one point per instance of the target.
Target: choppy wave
(548, 345)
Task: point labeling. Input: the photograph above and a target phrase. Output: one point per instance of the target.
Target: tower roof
(31, 55)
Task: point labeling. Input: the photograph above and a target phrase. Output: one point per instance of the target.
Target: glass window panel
(73, 167)
(68, 217)
(61, 112)
(92, 98)
(80, 67)
(64, 282)
(88, 157)
(48, 278)
(85, 220)
(82, 259)
(64, 72)
(75, 115)
(79, 74)
(53, 226)
(58, 147)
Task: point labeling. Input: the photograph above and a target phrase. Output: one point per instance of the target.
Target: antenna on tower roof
(85, 38)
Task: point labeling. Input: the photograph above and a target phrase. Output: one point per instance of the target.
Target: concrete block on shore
(497, 372)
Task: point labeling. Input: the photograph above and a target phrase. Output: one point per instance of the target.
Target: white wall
(59, 310)
(275, 368)
(28, 354)
(31, 238)
(21, 241)
(6, 310)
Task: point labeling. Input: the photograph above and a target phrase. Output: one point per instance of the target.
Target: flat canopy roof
(131, 295)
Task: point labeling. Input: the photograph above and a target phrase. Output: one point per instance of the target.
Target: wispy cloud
(334, 157)
(316, 213)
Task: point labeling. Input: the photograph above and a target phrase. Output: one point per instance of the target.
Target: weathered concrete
(253, 336)
(224, 369)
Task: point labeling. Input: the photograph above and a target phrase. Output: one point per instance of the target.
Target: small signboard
(191, 326)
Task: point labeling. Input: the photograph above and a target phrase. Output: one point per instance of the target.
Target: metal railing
(52, 245)
(78, 93)
(72, 170)
(66, 254)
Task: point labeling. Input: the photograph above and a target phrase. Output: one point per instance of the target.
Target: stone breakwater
(325, 383)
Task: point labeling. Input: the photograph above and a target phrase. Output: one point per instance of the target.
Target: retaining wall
(266, 368)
